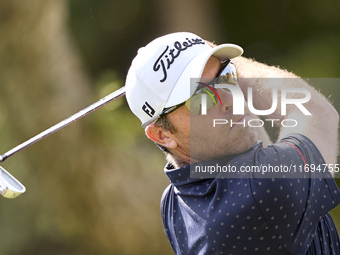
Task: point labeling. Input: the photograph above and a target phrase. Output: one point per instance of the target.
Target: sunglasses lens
(228, 75)
(194, 104)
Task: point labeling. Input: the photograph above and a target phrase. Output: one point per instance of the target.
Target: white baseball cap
(159, 76)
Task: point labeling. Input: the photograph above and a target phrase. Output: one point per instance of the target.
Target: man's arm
(321, 127)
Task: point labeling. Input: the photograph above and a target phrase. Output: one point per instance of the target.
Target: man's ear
(161, 136)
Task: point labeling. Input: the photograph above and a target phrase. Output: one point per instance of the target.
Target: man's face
(196, 135)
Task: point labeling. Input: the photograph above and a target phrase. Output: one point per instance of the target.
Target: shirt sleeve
(293, 203)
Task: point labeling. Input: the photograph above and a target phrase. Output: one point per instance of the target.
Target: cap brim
(183, 90)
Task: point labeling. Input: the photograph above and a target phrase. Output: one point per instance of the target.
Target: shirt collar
(182, 176)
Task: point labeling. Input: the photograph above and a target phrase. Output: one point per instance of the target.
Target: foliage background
(95, 186)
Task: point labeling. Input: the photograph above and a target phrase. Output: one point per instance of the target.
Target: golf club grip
(105, 100)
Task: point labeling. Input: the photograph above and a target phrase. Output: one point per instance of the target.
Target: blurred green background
(95, 186)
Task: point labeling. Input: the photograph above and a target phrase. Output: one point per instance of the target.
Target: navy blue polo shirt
(254, 213)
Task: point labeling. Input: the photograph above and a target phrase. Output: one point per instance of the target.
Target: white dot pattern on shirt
(244, 225)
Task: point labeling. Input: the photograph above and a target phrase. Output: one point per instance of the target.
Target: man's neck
(176, 161)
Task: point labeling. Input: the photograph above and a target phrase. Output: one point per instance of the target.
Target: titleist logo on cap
(167, 58)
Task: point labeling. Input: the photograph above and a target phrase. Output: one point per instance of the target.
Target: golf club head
(9, 186)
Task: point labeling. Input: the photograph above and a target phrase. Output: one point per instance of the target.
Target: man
(175, 86)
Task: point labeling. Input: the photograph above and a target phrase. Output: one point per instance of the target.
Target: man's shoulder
(294, 144)
(296, 138)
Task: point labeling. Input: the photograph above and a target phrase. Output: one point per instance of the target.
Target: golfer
(233, 191)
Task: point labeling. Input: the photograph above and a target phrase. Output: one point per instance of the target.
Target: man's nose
(226, 98)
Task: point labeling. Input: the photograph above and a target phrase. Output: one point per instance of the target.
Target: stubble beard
(205, 149)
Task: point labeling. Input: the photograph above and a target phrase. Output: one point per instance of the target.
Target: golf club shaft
(109, 98)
